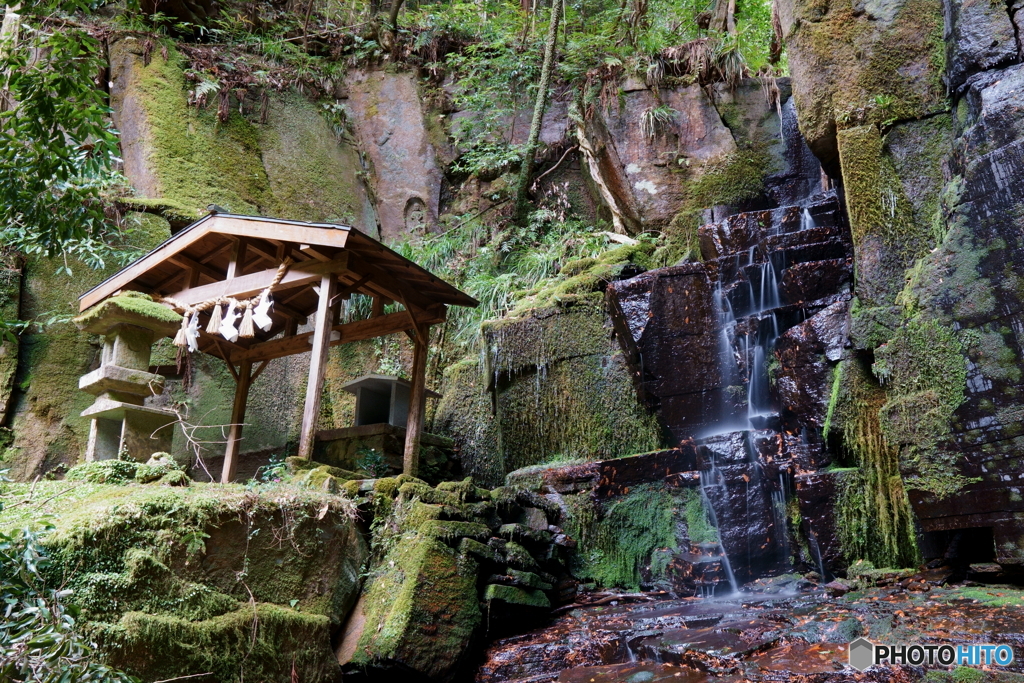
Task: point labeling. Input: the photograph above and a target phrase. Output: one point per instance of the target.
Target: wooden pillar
(227, 472)
(417, 394)
(317, 361)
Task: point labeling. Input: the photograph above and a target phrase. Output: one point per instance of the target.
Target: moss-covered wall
(873, 516)
(465, 414)
(292, 166)
(561, 387)
(10, 304)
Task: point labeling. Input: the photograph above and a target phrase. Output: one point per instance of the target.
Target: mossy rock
(451, 531)
(529, 580)
(157, 646)
(421, 612)
(428, 494)
(480, 551)
(155, 571)
(513, 595)
(105, 472)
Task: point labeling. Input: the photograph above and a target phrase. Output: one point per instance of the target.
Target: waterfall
(779, 499)
(813, 538)
(710, 479)
(807, 220)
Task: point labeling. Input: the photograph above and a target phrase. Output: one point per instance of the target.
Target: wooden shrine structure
(311, 268)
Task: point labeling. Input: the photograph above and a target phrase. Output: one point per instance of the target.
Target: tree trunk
(532, 142)
(396, 5)
(723, 17)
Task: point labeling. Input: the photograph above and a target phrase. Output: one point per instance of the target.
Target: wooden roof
(232, 255)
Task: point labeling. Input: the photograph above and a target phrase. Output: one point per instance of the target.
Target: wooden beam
(264, 253)
(317, 361)
(185, 261)
(227, 473)
(378, 307)
(310, 250)
(347, 291)
(159, 287)
(229, 244)
(335, 237)
(237, 260)
(393, 290)
(181, 243)
(414, 425)
(283, 232)
(358, 330)
(249, 285)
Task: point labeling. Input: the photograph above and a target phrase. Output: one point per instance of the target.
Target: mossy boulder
(245, 583)
(420, 612)
(855, 63)
(561, 387)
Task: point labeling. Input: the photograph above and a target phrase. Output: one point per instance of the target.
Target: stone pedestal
(121, 422)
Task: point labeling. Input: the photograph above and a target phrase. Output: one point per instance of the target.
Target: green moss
(562, 390)
(698, 522)
(730, 180)
(258, 642)
(833, 400)
(948, 282)
(421, 609)
(464, 413)
(616, 542)
(104, 472)
(924, 368)
(450, 531)
(580, 280)
(428, 494)
(170, 580)
(519, 557)
(312, 176)
(516, 596)
(876, 203)
(1003, 596)
(873, 516)
(132, 304)
(196, 159)
(864, 70)
(918, 150)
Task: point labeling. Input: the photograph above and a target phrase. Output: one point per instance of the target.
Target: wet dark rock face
(979, 36)
(735, 354)
(967, 284)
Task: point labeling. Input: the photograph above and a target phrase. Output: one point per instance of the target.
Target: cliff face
(931, 191)
(873, 198)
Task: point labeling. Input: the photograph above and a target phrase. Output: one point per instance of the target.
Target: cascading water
(709, 479)
(749, 329)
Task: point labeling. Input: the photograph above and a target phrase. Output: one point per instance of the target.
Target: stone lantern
(121, 422)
